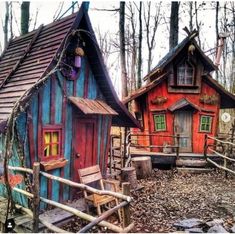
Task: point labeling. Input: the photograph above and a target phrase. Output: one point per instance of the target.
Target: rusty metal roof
(28, 58)
(89, 106)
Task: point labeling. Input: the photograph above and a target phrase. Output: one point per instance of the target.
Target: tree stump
(143, 166)
(128, 174)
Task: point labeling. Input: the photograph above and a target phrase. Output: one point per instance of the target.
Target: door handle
(78, 155)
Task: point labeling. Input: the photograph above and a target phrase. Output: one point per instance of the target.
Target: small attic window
(185, 74)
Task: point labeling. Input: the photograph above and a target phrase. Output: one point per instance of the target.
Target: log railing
(35, 196)
(226, 156)
(132, 141)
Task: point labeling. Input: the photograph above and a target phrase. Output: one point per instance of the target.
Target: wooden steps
(191, 163)
(194, 170)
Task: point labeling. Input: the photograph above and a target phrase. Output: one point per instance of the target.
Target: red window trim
(52, 128)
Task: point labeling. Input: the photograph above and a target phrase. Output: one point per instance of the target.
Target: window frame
(155, 123)
(186, 64)
(210, 123)
(140, 118)
(50, 129)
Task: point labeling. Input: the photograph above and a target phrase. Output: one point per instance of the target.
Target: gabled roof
(227, 98)
(176, 50)
(183, 104)
(27, 59)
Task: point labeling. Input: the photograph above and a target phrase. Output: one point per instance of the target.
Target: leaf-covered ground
(169, 196)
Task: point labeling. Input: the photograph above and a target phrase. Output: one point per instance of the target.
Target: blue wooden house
(57, 98)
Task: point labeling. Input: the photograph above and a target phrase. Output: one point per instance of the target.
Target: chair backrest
(90, 174)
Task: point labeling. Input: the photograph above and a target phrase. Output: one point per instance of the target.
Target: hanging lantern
(77, 62)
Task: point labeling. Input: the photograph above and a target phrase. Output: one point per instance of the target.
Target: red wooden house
(181, 97)
(57, 97)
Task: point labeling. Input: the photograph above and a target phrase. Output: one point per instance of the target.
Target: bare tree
(123, 49)
(174, 24)
(151, 29)
(25, 17)
(217, 32)
(6, 23)
(139, 66)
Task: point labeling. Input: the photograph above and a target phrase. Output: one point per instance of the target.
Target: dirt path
(169, 196)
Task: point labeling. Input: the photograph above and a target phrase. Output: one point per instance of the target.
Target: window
(159, 122)
(52, 142)
(139, 117)
(205, 123)
(185, 74)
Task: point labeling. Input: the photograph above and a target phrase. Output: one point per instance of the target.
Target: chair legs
(119, 211)
(98, 210)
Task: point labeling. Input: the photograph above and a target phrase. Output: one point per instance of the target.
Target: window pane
(47, 151)
(159, 122)
(47, 137)
(205, 123)
(55, 137)
(55, 150)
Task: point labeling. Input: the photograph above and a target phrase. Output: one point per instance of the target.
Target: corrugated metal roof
(89, 106)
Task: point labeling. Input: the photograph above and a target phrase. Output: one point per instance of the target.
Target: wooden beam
(126, 188)
(36, 194)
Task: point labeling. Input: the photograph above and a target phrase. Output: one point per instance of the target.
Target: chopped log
(143, 166)
(128, 174)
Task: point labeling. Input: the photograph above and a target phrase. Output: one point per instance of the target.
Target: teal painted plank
(43, 190)
(81, 79)
(58, 103)
(55, 186)
(21, 125)
(92, 86)
(34, 112)
(46, 102)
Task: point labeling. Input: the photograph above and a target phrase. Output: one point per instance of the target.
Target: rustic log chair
(92, 174)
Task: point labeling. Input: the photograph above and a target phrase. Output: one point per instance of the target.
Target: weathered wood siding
(50, 106)
(197, 136)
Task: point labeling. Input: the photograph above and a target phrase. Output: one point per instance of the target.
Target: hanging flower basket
(209, 99)
(159, 100)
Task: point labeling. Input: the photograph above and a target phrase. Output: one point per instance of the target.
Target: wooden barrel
(128, 174)
(143, 166)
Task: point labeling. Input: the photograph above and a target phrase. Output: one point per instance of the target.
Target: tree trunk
(143, 166)
(174, 25)
(217, 33)
(122, 49)
(190, 16)
(25, 17)
(6, 22)
(139, 48)
(128, 174)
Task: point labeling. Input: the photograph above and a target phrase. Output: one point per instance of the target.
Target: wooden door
(183, 126)
(84, 145)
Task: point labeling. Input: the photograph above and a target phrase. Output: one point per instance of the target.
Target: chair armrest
(113, 183)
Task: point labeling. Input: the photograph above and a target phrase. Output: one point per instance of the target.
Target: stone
(217, 229)
(194, 230)
(188, 223)
(233, 229)
(214, 222)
